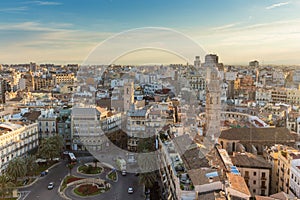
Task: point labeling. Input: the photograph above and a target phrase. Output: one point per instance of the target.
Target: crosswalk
(23, 194)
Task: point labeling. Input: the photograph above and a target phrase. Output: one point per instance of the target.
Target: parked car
(50, 186)
(130, 190)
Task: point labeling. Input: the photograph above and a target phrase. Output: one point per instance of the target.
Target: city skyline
(66, 31)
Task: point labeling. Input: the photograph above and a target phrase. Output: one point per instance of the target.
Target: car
(147, 191)
(50, 186)
(123, 173)
(130, 190)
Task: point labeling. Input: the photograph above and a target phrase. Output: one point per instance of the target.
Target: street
(39, 189)
(119, 190)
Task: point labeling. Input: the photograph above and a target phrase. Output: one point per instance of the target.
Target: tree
(148, 179)
(95, 161)
(51, 147)
(57, 141)
(32, 166)
(70, 166)
(6, 186)
(16, 168)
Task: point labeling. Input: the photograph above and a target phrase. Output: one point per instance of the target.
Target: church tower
(213, 101)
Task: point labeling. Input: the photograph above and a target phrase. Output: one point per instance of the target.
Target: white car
(50, 186)
(130, 190)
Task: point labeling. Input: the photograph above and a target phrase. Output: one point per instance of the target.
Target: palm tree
(95, 161)
(16, 168)
(57, 141)
(148, 179)
(5, 186)
(70, 166)
(49, 148)
(31, 165)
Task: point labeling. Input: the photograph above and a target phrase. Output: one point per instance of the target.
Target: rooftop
(249, 160)
(279, 134)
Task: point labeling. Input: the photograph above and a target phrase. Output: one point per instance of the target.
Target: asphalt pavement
(118, 191)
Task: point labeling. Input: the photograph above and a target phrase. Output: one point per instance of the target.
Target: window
(254, 173)
(254, 182)
(263, 193)
(254, 190)
(263, 174)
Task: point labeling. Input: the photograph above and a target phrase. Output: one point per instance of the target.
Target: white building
(47, 124)
(295, 177)
(88, 126)
(16, 140)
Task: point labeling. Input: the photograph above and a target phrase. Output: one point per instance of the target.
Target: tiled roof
(278, 134)
(238, 183)
(249, 160)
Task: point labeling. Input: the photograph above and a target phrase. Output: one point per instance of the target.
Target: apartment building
(47, 124)
(64, 77)
(88, 126)
(256, 172)
(16, 139)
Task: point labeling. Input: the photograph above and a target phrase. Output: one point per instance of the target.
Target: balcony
(263, 178)
(263, 187)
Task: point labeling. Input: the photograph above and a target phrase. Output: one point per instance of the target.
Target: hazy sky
(66, 31)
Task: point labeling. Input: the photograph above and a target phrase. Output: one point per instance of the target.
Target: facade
(64, 78)
(42, 82)
(47, 124)
(16, 140)
(88, 126)
(263, 96)
(128, 95)
(256, 172)
(213, 100)
(136, 126)
(64, 127)
(295, 177)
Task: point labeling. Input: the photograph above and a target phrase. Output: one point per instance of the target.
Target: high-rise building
(211, 59)
(197, 62)
(254, 64)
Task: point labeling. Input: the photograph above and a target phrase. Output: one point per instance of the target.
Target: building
(213, 99)
(47, 124)
(2, 91)
(43, 82)
(128, 95)
(88, 126)
(285, 157)
(254, 140)
(136, 126)
(16, 140)
(256, 172)
(254, 64)
(64, 78)
(197, 62)
(295, 176)
(64, 127)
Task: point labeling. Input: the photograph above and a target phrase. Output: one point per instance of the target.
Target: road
(39, 189)
(119, 190)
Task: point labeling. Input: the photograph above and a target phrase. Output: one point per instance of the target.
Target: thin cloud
(44, 3)
(35, 26)
(276, 5)
(14, 9)
(224, 27)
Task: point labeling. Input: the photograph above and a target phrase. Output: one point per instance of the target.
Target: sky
(67, 31)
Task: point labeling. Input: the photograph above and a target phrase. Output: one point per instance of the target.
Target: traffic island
(90, 189)
(112, 175)
(88, 169)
